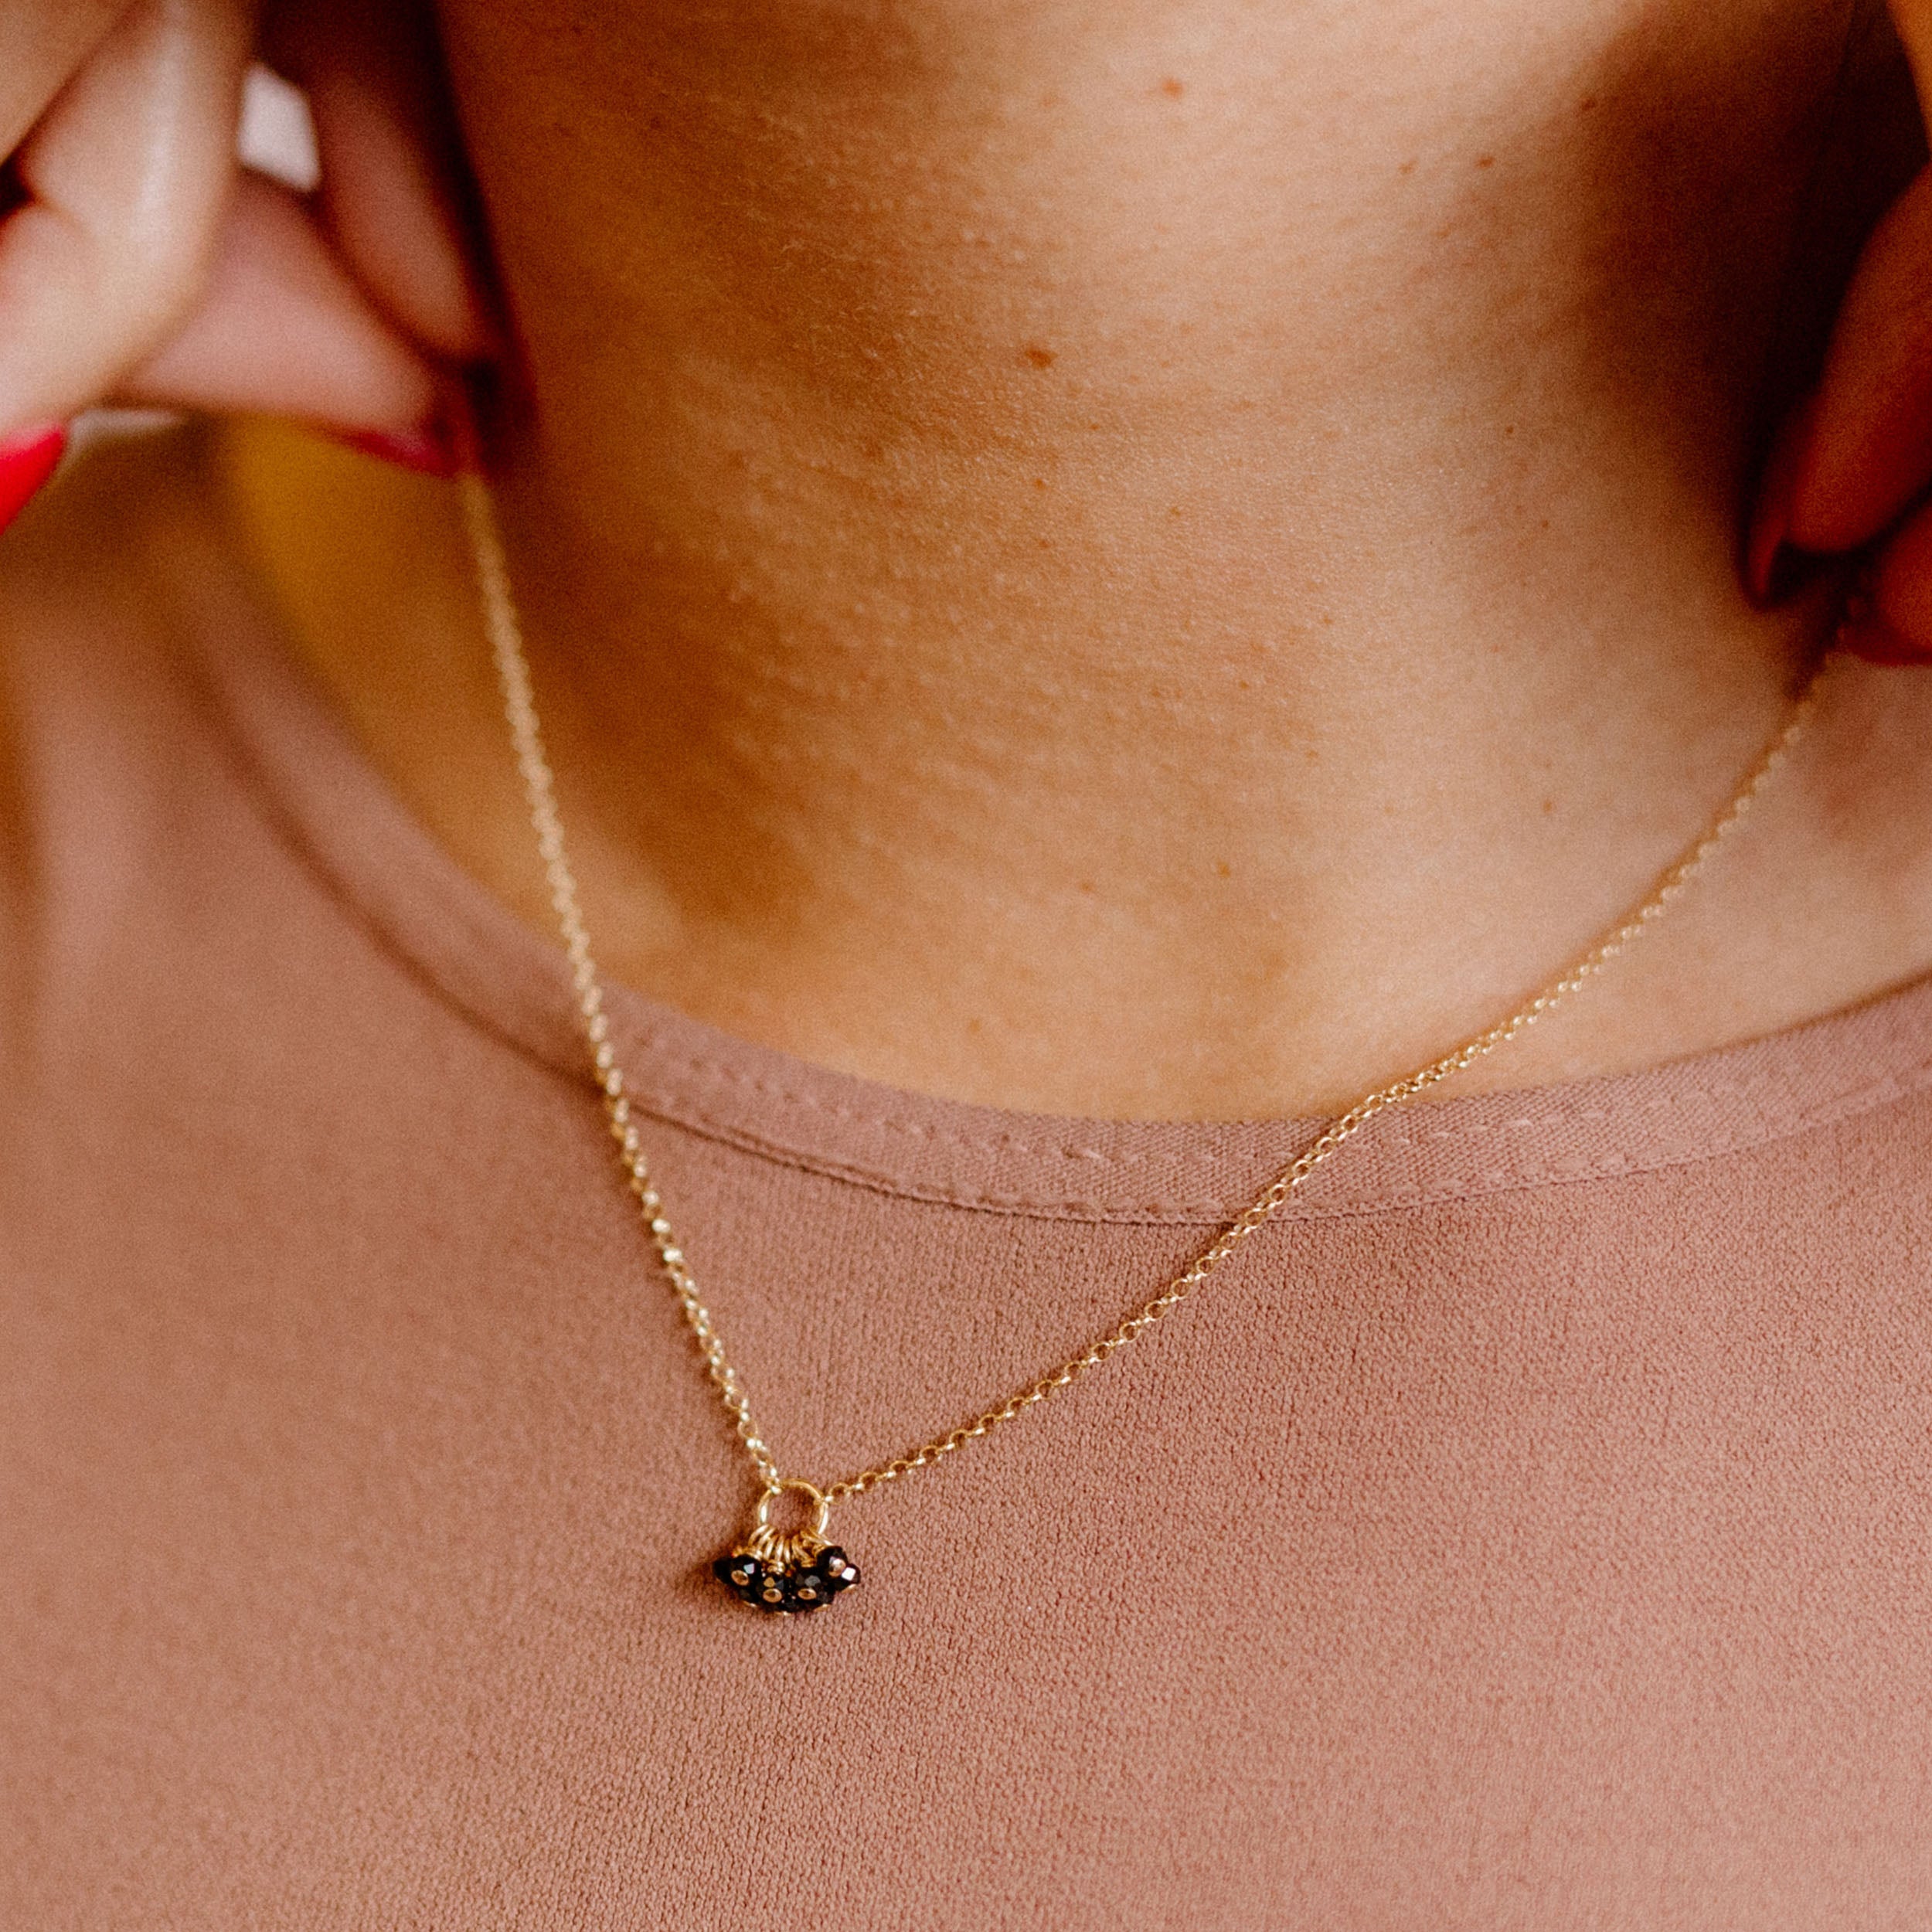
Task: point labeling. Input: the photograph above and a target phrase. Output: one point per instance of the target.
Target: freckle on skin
(1485, 161)
(1407, 168)
(1040, 357)
(1172, 89)
(1224, 869)
(1549, 805)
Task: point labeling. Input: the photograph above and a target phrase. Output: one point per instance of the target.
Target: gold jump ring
(821, 1505)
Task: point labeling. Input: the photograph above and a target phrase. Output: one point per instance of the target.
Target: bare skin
(1141, 560)
(1166, 557)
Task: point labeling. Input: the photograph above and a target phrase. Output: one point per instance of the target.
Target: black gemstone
(808, 1590)
(739, 1574)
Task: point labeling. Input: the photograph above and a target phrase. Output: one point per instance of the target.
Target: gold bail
(801, 1545)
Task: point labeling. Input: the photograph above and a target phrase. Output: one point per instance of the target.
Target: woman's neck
(1134, 559)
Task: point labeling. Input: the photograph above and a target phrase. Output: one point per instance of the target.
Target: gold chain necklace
(790, 1572)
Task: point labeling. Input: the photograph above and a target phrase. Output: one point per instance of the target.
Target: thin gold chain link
(505, 634)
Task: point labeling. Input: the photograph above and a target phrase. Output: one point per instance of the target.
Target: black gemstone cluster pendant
(781, 1590)
(787, 1575)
